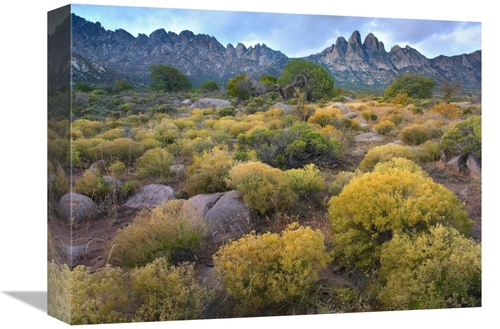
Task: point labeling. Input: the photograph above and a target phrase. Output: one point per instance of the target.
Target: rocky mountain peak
(201, 57)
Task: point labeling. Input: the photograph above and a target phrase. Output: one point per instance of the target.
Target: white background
(23, 164)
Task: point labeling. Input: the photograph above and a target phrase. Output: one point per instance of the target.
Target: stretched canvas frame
(66, 249)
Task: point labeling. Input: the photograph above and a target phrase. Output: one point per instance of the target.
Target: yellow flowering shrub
(209, 172)
(375, 205)
(260, 270)
(264, 187)
(166, 292)
(385, 153)
(436, 269)
(154, 164)
(306, 181)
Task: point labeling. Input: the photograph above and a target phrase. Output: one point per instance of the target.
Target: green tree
(168, 78)
(241, 87)
(317, 82)
(464, 138)
(209, 85)
(268, 80)
(412, 84)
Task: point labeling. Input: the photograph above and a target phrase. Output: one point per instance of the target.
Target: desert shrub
(415, 109)
(58, 184)
(88, 128)
(185, 124)
(369, 115)
(150, 143)
(340, 180)
(154, 164)
(306, 181)
(290, 148)
(187, 149)
(430, 270)
(415, 134)
(384, 127)
(428, 151)
(374, 205)
(84, 150)
(59, 291)
(261, 270)
(264, 187)
(165, 292)
(227, 111)
(93, 185)
(117, 168)
(123, 149)
(449, 111)
(166, 132)
(166, 231)
(400, 99)
(463, 138)
(325, 117)
(209, 86)
(395, 116)
(99, 297)
(399, 163)
(384, 153)
(111, 134)
(209, 172)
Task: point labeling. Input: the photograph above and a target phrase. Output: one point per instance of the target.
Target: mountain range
(100, 56)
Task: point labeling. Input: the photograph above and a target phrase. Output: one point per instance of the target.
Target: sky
(295, 35)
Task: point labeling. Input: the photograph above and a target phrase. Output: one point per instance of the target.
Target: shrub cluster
(374, 205)
(306, 181)
(260, 270)
(415, 134)
(154, 164)
(428, 270)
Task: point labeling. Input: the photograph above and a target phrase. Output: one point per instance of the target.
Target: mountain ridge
(354, 64)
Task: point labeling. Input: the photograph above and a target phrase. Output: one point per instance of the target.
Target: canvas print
(207, 164)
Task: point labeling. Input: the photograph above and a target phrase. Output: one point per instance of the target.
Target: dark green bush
(464, 138)
(415, 134)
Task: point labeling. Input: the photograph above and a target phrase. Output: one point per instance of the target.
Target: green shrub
(154, 164)
(93, 185)
(415, 134)
(395, 116)
(162, 231)
(209, 172)
(290, 148)
(264, 187)
(59, 291)
(430, 270)
(306, 181)
(166, 292)
(373, 206)
(261, 270)
(385, 153)
(111, 134)
(227, 111)
(463, 138)
(384, 127)
(368, 115)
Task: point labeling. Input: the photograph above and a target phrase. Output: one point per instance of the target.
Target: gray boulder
(226, 214)
(206, 103)
(340, 106)
(150, 196)
(75, 207)
(283, 106)
(351, 115)
(367, 137)
(455, 165)
(474, 166)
